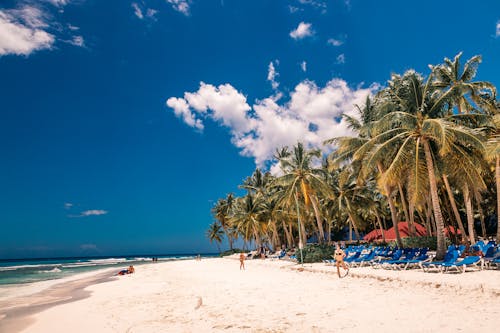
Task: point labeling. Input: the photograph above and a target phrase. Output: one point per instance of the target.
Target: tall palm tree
(222, 212)
(247, 218)
(412, 141)
(215, 233)
(348, 146)
(493, 155)
(301, 181)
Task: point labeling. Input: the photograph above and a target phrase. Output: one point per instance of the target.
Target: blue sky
(122, 122)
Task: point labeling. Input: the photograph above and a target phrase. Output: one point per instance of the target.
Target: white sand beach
(213, 295)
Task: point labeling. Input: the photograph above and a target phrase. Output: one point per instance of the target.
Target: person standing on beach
(242, 261)
(339, 256)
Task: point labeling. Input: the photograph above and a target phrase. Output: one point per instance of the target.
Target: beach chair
(396, 256)
(450, 257)
(367, 258)
(471, 261)
(409, 254)
(355, 256)
(420, 258)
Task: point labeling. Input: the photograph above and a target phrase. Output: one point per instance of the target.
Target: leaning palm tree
(215, 233)
(411, 142)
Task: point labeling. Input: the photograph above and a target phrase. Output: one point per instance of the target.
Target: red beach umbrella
(404, 231)
(373, 235)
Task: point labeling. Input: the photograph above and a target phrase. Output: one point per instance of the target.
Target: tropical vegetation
(424, 150)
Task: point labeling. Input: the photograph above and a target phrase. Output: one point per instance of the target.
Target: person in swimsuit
(339, 256)
(242, 261)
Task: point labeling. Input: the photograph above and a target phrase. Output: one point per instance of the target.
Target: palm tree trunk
(354, 226)
(481, 218)
(441, 243)
(497, 177)
(392, 207)
(454, 205)
(350, 230)
(470, 217)
(287, 234)
(382, 231)
(411, 227)
(319, 220)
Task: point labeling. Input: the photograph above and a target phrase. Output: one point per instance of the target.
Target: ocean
(33, 270)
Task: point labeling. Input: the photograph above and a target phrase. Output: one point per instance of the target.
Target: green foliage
(427, 241)
(316, 252)
(229, 252)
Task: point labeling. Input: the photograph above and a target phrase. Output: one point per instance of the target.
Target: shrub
(316, 252)
(425, 241)
(229, 252)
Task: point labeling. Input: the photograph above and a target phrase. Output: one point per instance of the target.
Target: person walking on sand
(339, 256)
(242, 261)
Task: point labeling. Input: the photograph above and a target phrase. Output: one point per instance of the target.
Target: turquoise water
(33, 270)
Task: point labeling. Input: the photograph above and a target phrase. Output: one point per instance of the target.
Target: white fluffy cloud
(181, 6)
(497, 33)
(303, 30)
(21, 31)
(311, 115)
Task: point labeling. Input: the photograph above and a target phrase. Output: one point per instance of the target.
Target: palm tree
(349, 146)
(414, 140)
(215, 233)
(457, 85)
(247, 218)
(493, 154)
(222, 212)
(301, 181)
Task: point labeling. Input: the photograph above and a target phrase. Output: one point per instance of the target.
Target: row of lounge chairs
(396, 258)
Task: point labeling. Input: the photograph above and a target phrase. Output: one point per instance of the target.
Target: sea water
(34, 270)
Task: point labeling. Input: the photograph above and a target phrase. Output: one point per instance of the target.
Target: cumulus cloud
(272, 74)
(303, 30)
(21, 31)
(497, 32)
(303, 66)
(68, 205)
(311, 115)
(181, 6)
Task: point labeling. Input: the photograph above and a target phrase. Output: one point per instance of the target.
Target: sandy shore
(213, 295)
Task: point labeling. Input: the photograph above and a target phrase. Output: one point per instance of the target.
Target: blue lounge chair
(364, 259)
(471, 261)
(396, 256)
(450, 257)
